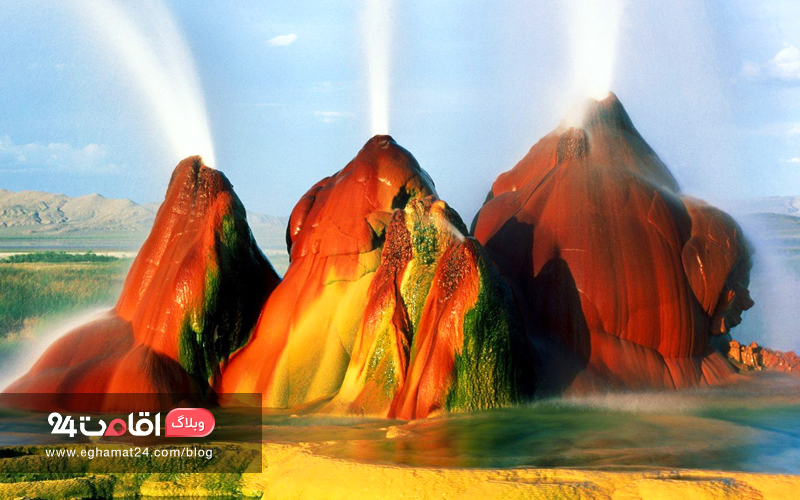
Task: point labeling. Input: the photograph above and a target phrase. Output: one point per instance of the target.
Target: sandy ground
(293, 472)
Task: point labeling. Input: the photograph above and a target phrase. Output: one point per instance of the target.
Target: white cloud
(786, 64)
(782, 130)
(784, 67)
(331, 116)
(282, 40)
(790, 160)
(53, 156)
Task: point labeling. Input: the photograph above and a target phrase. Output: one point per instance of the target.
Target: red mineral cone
(302, 345)
(191, 298)
(621, 279)
(387, 308)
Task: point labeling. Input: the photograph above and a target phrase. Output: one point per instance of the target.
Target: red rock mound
(192, 297)
(622, 281)
(386, 308)
(440, 330)
(302, 344)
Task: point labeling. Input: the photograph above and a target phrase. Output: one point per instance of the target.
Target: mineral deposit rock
(440, 330)
(387, 308)
(191, 298)
(621, 280)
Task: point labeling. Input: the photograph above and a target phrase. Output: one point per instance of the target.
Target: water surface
(751, 425)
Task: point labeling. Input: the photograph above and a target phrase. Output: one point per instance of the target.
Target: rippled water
(751, 425)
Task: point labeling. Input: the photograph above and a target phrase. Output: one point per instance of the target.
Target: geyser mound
(596, 273)
(385, 309)
(191, 298)
(622, 280)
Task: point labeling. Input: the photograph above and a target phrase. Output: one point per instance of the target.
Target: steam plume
(158, 59)
(593, 29)
(377, 22)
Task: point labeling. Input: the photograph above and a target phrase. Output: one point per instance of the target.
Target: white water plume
(593, 27)
(144, 38)
(378, 34)
(774, 285)
(31, 350)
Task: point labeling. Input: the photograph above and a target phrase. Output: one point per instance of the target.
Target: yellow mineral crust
(293, 472)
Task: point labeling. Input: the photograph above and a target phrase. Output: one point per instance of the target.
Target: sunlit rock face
(717, 262)
(621, 280)
(440, 330)
(386, 308)
(191, 298)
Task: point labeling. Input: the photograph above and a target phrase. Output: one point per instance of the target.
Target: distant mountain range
(35, 215)
(29, 216)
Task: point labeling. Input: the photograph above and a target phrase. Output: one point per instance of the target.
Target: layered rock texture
(756, 357)
(387, 308)
(191, 298)
(621, 279)
(440, 329)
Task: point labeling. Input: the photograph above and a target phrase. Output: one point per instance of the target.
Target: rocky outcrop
(387, 308)
(595, 273)
(191, 298)
(621, 279)
(440, 330)
(717, 262)
(756, 357)
(302, 344)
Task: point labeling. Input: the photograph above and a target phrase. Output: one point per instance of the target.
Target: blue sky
(713, 86)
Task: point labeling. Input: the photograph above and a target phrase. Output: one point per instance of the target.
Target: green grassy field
(52, 257)
(38, 290)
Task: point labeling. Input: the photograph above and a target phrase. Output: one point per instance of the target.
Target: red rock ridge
(301, 346)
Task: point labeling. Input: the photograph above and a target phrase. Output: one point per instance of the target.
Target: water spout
(154, 52)
(377, 29)
(593, 27)
(30, 351)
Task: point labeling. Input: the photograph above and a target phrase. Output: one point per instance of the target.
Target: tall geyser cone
(191, 298)
(622, 280)
(387, 309)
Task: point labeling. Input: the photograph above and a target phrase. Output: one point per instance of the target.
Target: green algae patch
(431, 235)
(416, 285)
(424, 239)
(225, 316)
(383, 366)
(486, 374)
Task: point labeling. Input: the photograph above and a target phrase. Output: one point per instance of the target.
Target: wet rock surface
(191, 298)
(621, 279)
(595, 273)
(387, 308)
